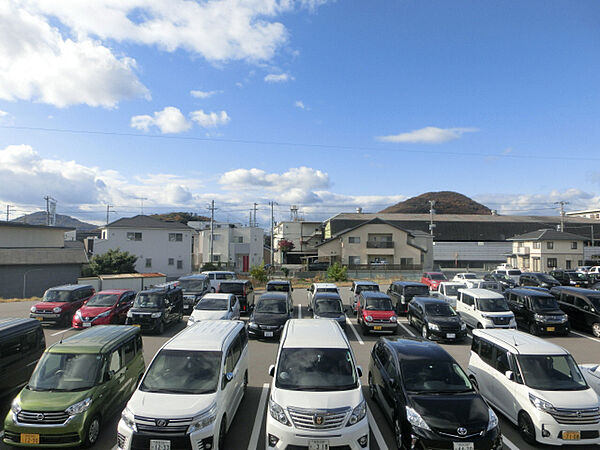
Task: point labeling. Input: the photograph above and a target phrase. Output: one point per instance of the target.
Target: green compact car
(77, 383)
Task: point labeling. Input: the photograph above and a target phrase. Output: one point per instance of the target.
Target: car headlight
(79, 407)
(540, 404)
(16, 406)
(129, 314)
(463, 326)
(492, 420)
(564, 318)
(485, 316)
(278, 413)
(78, 314)
(56, 310)
(203, 420)
(104, 314)
(415, 419)
(369, 319)
(156, 315)
(539, 317)
(393, 319)
(252, 324)
(33, 309)
(128, 419)
(433, 326)
(358, 414)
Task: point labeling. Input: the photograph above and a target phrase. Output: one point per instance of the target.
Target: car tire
(425, 332)
(222, 432)
(92, 432)
(479, 326)
(245, 388)
(526, 428)
(596, 329)
(533, 330)
(372, 389)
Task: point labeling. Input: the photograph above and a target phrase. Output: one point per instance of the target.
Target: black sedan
(505, 281)
(435, 319)
(269, 315)
(428, 398)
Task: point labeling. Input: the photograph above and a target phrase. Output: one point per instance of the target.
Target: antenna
(515, 340)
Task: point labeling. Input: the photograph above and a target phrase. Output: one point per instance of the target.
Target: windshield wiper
(165, 391)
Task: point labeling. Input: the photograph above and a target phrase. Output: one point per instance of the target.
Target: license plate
(450, 335)
(463, 445)
(550, 328)
(314, 444)
(33, 438)
(39, 318)
(86, 324)
(568, 435)
(137, 325)
(156, 444)
(268, 334)
(377, 327)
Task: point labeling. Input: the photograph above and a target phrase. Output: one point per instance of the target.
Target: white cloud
(3, 113)
(427, 135)
(278, 78)
(204, 94)
(169, 120)
(305, 178)
(211, 119)
(300, 104)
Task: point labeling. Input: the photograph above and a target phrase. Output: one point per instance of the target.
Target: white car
(481, 308)
(448, 291)
(216, 276)
(319, 287)
(215, 307)
(191, 391)
(513, 273)
(594, 270)
(316, 398)
(467, 278)
(357, 287)
(591, 373)
(537, 385)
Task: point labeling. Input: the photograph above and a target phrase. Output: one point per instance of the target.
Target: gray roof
(38, 227)
(547, 234)
(140, 221)
(42, 256)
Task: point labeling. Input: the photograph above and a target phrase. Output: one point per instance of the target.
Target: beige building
(543, 250)
(378, 242)
(588, 213)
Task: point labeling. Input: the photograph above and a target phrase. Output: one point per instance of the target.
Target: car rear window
(232, 288)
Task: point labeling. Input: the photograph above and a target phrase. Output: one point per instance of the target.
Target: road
(248, 427)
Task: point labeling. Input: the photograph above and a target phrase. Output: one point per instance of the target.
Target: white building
(164, 247)
(234, 246)
(589, 213)
(304, 235)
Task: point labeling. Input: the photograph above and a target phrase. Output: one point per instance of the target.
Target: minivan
(242, 289)
(191, 391)
(537, 385)
(480, 308)
(538, 279)
(269, 316)
(581, 305)
(59, 304)
(402, 292)
(359, 286)
(79, 382)
(216, 276)
(316, 398)
(22, 343)
(154, 309)
(194, 287)
(538, 312)
(319, 287)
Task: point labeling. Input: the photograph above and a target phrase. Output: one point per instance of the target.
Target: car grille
(454, 434)
(305, 419)
(380, 321)
(502, 320)
(43, 418)
(43, 311)
(553, 319)
(150, 424)
(586, 416)
(269, 327)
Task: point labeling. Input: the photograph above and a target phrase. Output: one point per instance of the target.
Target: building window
(552, 263)
(175, 237)
(580, 262)
(104, 234)
(574, 245)
(179, 264)
(352, 260)
(216, 237)
(549, 245)
(354, 240)
(171, 261)
(134, 236)
(216, 258)
(148, 262)
(238, 239)
(537, 245)
(568, 264)
(526, 262)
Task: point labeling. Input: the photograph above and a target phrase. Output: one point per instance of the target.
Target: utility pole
(47, 210)
(142, 203)
(212, 228)
(108, 208)
(254, 224)
(431, 213)
(562, 214)
(272, 231)
(8, 212)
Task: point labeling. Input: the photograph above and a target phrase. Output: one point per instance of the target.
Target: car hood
(93, 311)
(317, 400)
(169, 406)
(444, 320)
(378, 314)
(199, 314)
(50, 401)
(49, 305)
(551, 312)
(269, 319)
(145, 310)
(569, 399)
(330, 315)
(450, 411)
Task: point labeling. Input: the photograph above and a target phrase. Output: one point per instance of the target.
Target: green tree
(259, 273)
(336, 272)
(113, 261)
(208, 266)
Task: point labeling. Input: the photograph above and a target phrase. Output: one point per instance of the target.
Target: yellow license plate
(377, 328)
(30, 438)
(571, 435)
(137, 325)
(550, 329)
(39, 318)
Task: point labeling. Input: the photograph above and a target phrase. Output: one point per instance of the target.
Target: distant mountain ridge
(183, 217)
(446, 202)
(39, 218)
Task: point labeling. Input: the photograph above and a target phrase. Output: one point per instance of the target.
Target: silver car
(329, 306)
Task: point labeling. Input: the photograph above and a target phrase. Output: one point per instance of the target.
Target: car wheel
(212, 290)
(92, 432)
(425, 332)
(245, 383)
(526, 428)
(533, 330)
(372, 390)
(398, 433)
(222, 430)
(596, 329)
(479, 326)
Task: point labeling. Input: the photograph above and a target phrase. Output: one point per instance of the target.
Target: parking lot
(247, 429)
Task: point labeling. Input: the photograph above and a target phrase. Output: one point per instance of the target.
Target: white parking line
(61, 332)
(299, 311)
(587, 337)
(1, 434)
(376, 432)
(253, 443)
(348, 323)
(509, 444)
(407, 330)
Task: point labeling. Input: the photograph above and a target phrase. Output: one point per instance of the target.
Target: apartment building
(305, 235)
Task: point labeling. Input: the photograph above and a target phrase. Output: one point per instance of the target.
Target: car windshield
(183, 372)
(56, 296)
(428, 376)
(328, 305)
(103, 300)
(378, 304)
(191, 285)
(225, 276)
(469, 276)
(544, 303)
(551, 372)
(439, 309)
(65, 372)
(232, 288)
(514, 272)
(577, 276)
(502, 277)
(366, 287)
(271, 306)
(547, 278)
(329, 289)
(416, 290)
(278, 287)
(316, 369)
(212, 304)
(452, 291)
(437, 276)
(148, 301)
(492, 304)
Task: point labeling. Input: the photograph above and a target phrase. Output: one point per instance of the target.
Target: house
(589, 213)
(36, 257)
(164, 247)
(546, 249)
(305, 235)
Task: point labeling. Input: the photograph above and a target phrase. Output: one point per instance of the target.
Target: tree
(208, 266)
(259, 273)
(285, 246)
(112, 262)
(336, 272)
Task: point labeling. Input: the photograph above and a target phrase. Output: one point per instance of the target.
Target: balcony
(523, 251)
(380, 244)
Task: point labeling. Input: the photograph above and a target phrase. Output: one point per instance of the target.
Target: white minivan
(316, 399)
(216, 276)
(537, 385)
(482, 308)
(191, 391)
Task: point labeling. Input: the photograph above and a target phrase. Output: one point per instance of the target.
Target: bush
(259, 273)
(208, 266)
(337, 272)
(285, 271)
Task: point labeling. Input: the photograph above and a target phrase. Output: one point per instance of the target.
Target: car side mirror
(272, 370)
(359, 371)
(510, 375)
(228, 377)
(109, 375)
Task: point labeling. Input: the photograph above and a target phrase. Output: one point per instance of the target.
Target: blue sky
(329, 105)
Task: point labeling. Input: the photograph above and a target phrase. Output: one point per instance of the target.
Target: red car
(375, 312)
(104, 308)
(59, 303)
(433, 279)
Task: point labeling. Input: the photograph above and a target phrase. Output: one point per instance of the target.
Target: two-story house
(304, 234)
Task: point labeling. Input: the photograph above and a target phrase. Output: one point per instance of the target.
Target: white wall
(25, 237)
(226, 245)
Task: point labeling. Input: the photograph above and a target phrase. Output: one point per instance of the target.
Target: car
(215, 307)
(435, 319)
(447, 291)
(489, 285)
(583, 269)
(155, 309)
(319, 287)
(242, 289)
(538, 279)
(537, 312)
(316, 398)
(402, 292)
(571, 278)
(480, 308)
(59, 304)
(433, 279)
(511, 272)
(216, 276)
(22, 343)
(194, 287)
(469, 279)
(318, 266)
(104, 308)
(281, 286)
(79, 382)
(375, 313)
(536, 385)
(269, 316)
(505, 281)
(594, 270)
(581, 305)
(428, 399)
(329, 306)
(357, 287)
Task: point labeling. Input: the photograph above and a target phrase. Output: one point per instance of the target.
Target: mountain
(39, 218)
(182, 217)
(446, 202)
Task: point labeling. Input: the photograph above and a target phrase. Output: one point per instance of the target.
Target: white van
(316, 397)
(216, 276)
(482, 308)
(537, 385)
(191, 391)
(319, 287)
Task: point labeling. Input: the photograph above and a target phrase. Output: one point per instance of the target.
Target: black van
(22, 343)
(154, 309)
(194, 287)
(537, 311)
(402, 292)
(581, 305)
(242, 289)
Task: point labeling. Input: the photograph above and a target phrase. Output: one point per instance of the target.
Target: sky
(166, 105)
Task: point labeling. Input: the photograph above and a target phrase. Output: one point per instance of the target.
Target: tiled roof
(140, 221)
(547, 234)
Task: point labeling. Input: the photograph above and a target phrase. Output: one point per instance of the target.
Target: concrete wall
(25, 237)
(38, 278)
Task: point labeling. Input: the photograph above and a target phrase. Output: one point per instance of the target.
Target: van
(402, 292)
(59, 304)
(78, 383)
(194, 287)
(537, 311)
(316, 398)
(243, 290)
(22, 343)
(191, 391)
(359, 286)
(319, 287)
(581, 305)
(537, 385)
(155, 309)
(480, 308)
(216, 276)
